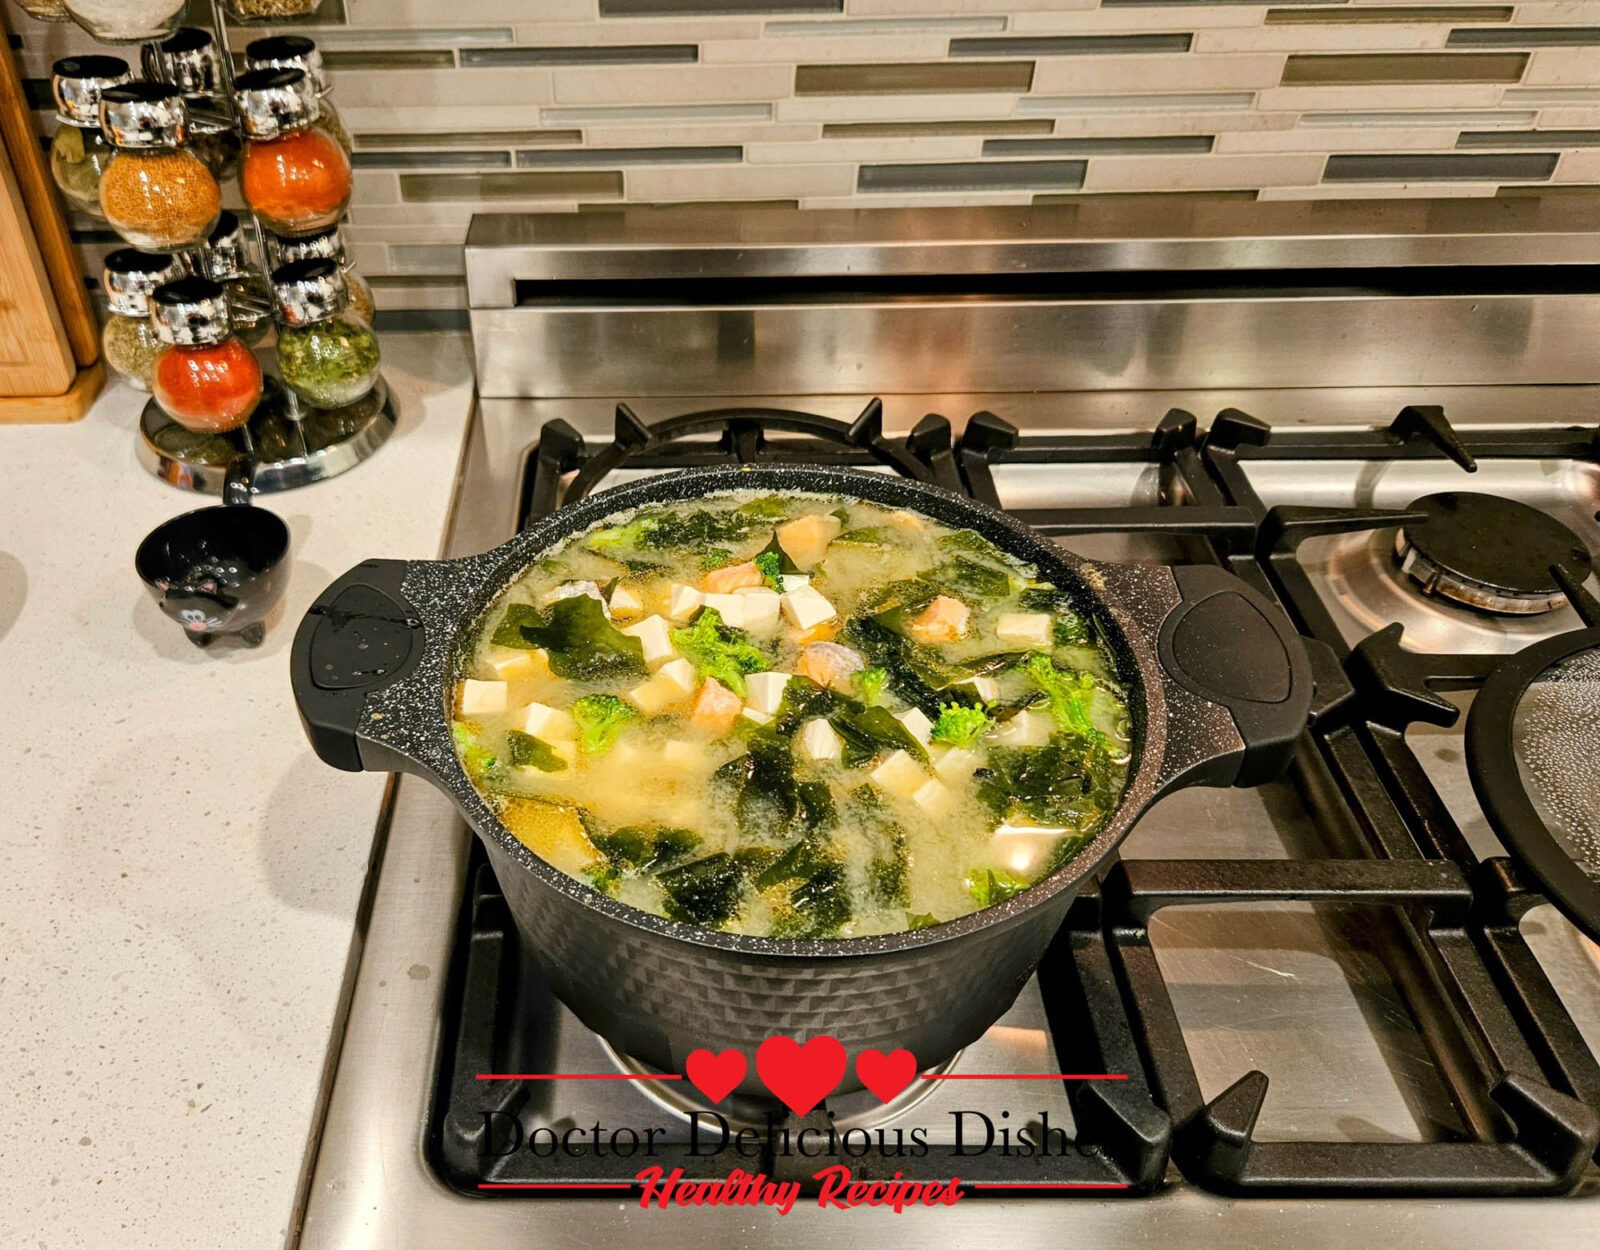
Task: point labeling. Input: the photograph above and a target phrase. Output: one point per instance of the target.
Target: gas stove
(1329, 1005)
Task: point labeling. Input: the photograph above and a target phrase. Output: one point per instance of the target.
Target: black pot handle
(359, 636)
(1229, 645)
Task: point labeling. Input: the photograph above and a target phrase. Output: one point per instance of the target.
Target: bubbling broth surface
(792, 715)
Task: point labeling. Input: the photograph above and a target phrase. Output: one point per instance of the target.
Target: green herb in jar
(78, 157)
(131, 348)
(329, 363)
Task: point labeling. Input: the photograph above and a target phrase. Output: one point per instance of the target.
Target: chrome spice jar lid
(323, 245)
(191, 312)
(225, 251)
(144, 115)
(189, 60)
(274, 102)
(77, 82)
(131, 276)
(288, 52)
(308, 291)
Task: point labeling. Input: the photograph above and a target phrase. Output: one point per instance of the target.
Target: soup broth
(792, 716)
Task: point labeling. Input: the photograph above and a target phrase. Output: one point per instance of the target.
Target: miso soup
(792, 715)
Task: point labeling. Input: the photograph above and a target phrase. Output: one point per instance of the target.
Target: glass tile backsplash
(580, 105)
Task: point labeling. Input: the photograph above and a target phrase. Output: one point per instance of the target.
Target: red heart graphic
(886, 1075)
(715, 1076)
(801, 1076)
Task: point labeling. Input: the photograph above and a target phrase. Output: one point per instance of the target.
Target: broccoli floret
(475, 758)
(870, 683)
(771, 565)
(1069, 694)
(959, 725)
(601, 717)
(719, 652)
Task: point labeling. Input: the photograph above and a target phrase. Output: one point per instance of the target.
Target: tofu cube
(806, 539)
(655, 635)
(1025, 729)
(673, 682)
(625, 601)
(790, 582)
(764, 691)
(986, 688)
(933, 797)
(760, 718)
(520, 665)
(482, 698)
(805, 608)
(1026, 848)
(760, 609)
(680, 754)
(817, 741)
(955, 765)
(683, 602)
(729, 607)
(920, 726)
(549, 724)
(1031, 629)
(571, 590)
(900, 775)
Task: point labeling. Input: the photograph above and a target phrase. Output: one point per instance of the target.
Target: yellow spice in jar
(162, 200)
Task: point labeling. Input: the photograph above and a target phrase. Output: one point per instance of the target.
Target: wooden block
(71, 405)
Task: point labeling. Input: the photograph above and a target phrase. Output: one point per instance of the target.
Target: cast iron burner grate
(1496, 555)
(1497, 1032)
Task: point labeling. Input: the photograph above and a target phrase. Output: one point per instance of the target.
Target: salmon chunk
(829, 664)
(715, 708)
(731, 577)
(943, 620)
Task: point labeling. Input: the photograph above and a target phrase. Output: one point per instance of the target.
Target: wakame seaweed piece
(920, 920)
(755, 860)
(989, 887)
(716, 558)
(817, 811)
(798, 863)
(662, 531)
(865, 536)
(888, 874)
(775, 549)
(717, 651)
(872, 730)
(583, 643)
(766, 508)
(705, 892)
(887, 650)
(971, 580)
(526, 751)
(769, 800)
(509, 632)
(824, 898)
(636, 848)
(1069, 626)
(803, 700)
(1069, 783)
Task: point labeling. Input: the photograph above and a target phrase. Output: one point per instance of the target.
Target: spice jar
(326, 245)
(298, 52)
(45, 10)
(79, 153)
(249, 295)
(205, 378)
(190, 61)
(156, 193)
(326, 354)
(266, 10)
(129, 338)
(293, 174)
(127, 21)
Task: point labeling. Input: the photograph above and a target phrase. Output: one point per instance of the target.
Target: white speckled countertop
(181, 874)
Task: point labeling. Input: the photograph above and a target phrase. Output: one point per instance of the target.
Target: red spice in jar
(297, 182)
(209, 390)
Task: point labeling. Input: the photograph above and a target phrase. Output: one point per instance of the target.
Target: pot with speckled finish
(1218, 688)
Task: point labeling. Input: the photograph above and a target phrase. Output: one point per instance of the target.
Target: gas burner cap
(1490, 553)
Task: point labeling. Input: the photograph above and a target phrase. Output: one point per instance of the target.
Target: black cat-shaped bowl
(218, 570)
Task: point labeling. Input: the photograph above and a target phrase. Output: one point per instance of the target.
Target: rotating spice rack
(289, 441)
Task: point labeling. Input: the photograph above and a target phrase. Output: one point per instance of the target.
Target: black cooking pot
(1218, 685)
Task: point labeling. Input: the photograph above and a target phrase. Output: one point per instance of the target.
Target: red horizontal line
(542, 1185)
(1065, 1185)
(1024, 1076)
(578, 1076)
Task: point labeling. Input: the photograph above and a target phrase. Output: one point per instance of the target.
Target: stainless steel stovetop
(1307, 993)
